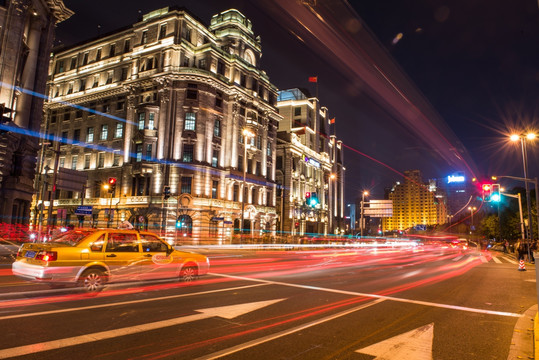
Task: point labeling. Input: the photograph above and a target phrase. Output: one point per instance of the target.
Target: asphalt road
(401, 304)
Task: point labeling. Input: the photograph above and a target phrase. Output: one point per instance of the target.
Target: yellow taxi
(91, 258)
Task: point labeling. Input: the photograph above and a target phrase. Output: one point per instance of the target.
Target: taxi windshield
(71, 238)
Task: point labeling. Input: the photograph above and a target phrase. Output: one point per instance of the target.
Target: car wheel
(188, 273)
(92, 281)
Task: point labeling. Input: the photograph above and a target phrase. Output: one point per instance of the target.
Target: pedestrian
(520, 251)
(505, 245)
(533, 247)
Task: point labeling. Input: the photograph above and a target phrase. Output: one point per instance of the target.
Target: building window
(123, 77)
(78, 114)
(184, 225)
(98, 55)
(151, 122)
(90, 135)
(117, 157)
(74, 160)
(217, 128)
(96, 81)
(235, 193)
(186, 61)
(87, 161)
(202, 64)
(186, 185)
(101, 160)
(109, 77)
(214, 189)
(85, 58)
(215, 158)
(61, 66)
(138, 151)
(297, 111)
(112, 50)
(144, 37)
(148, 151)
(220, 68)
(73, 63)
(162, 31)
(259, 142)
(67, 115)
(76, 135)
(127, 45)
(82, 84)
(64, 137)
(186, 33)
(214, 228)
(70, 88)
(188, 150)
(119, 130)
(219, 99)
(268, 148)
(192, 92)
(62, 162)
(190, 121)
(104, 132)
(120, 105)
(141, 120)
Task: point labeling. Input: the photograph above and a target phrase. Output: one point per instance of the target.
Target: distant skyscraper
(414, 203)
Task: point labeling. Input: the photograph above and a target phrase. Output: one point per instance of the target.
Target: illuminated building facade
(26, 35)
(310, 170)
(161, 106)
(415, 203)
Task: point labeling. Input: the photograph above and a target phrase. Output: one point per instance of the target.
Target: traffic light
(296, 224)
(313, 200)
(179, 224)
(307, 198)
(487, 191)
(495, 193)
(166, 192)
(112, 185)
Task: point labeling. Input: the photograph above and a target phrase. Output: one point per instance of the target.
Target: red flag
(332, 121)
(313, 79)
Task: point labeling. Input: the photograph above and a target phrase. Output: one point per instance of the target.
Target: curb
(525, 336)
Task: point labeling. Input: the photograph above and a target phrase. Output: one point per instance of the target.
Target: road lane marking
(412, 345)
(252, 343)
(125, 302)
(510, 260)
(227, 312)
(376, 296)
(496, 260)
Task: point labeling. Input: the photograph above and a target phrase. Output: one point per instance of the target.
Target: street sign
(84, 210)
(227, 222)
(215, 218)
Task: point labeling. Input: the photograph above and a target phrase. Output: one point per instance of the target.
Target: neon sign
(312, 162)
(455, 179)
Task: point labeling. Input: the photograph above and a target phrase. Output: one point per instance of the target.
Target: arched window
(184, 225)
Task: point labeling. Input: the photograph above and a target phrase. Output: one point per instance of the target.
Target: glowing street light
(247, 133)
(365, 193)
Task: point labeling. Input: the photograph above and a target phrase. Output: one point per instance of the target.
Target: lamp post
(523, 138)
(472, 209)
(365, 193)
(107, 187)
(332, 178)
(246, 135)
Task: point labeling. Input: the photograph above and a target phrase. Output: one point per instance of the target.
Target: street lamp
(247, 133)
(522, 138)
(365, 193)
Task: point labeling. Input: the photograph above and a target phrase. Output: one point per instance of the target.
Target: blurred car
(461, 244)
(91, 258)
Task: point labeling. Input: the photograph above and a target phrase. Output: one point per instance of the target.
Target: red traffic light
(486, 187)
(112, 181)
(307, 195)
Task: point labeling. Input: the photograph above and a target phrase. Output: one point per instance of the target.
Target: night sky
(475, 61)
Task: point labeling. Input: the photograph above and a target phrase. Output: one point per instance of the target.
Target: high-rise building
(416, 204)
(162, 106)
(310, 170)
(26, 35)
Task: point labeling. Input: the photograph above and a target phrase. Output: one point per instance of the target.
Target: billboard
(378, 208)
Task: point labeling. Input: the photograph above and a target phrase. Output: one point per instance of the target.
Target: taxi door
(123, 256)
(156, 263)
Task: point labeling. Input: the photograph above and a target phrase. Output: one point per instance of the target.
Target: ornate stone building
(26, 36)
(310, 170)
(161, 106)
